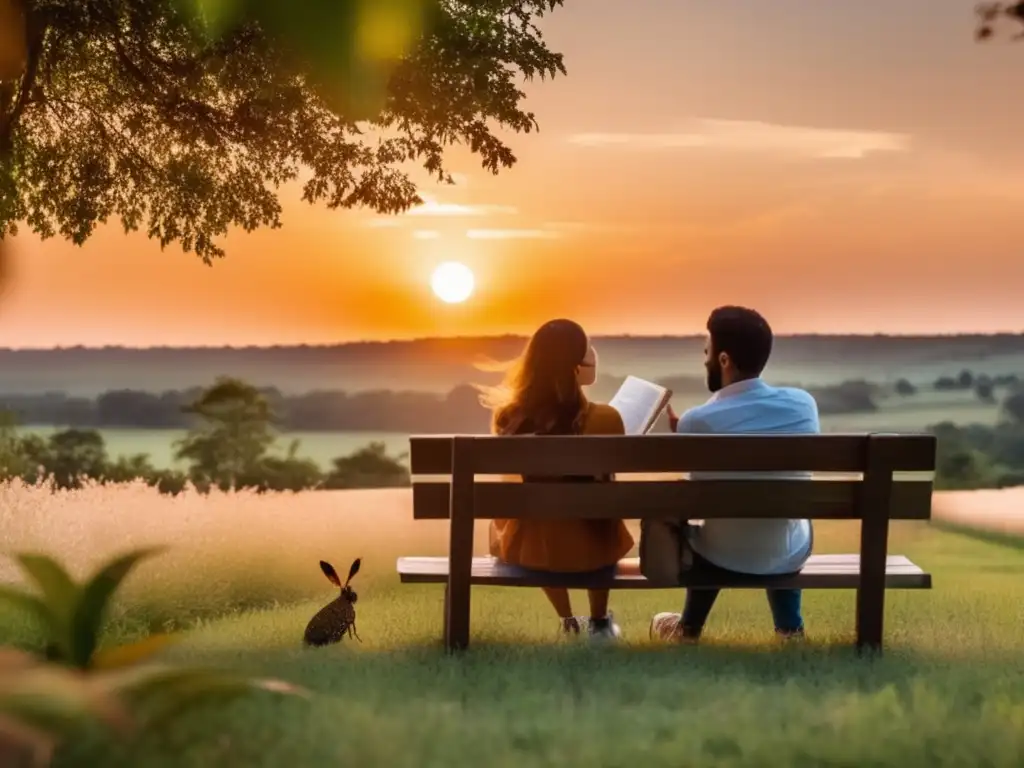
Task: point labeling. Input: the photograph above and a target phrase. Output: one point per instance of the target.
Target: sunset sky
(842, 166)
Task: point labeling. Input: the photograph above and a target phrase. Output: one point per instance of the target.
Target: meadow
(241, 579)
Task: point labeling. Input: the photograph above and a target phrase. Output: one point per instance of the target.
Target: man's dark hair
(743, 335)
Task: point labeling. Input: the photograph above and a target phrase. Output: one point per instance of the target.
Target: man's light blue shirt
(753, 546)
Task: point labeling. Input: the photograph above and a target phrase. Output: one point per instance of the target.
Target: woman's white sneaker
(604, 630)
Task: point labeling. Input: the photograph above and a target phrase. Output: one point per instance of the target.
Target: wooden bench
(454, 478)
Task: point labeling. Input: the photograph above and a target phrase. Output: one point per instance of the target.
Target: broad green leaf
(218, 15)
(40, 703)
(351, 47)
(166, 692)
(131, 653)
(94, 600)
(54, 582)
(60, 593)
(27, 603)
(53, 697)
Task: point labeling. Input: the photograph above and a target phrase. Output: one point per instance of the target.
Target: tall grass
(228, 552)
(235, 551)
(993, 511)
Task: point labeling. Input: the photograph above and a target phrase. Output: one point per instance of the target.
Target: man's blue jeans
(785, 604)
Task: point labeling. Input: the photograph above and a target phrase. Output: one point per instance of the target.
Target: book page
(640, 403)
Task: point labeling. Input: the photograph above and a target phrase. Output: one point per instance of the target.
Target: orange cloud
(512, 234)
(755, 136)
(434, 208)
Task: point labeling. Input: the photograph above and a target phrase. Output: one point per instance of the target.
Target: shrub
(855, 396)
(369, 467)
(905, 388)
(985, 390)
(1013, 407)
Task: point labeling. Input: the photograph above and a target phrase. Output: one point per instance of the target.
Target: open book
(640, 403)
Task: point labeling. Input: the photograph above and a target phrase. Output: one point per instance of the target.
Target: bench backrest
(468, 464)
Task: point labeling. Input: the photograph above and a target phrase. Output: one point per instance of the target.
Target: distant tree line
(984, 386)
(410, 411)
(981, 456)
(383, 411)
(230, 444)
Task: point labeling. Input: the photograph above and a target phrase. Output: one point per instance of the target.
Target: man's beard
(714, 377)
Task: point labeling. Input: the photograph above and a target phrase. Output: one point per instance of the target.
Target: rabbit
(338, 617)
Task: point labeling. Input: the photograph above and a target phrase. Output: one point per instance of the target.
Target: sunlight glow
(452, 282)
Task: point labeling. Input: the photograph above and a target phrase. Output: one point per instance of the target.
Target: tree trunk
(15, 94)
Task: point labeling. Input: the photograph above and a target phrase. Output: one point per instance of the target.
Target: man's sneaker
(668, 628)
(603, 630)
(789, 635)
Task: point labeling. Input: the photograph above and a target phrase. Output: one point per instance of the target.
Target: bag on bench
(665, 552)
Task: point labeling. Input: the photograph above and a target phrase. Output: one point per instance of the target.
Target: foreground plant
(71, 614)
(43, 698)
(39, 702)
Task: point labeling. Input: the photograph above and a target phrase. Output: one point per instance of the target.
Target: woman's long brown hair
(541, 393)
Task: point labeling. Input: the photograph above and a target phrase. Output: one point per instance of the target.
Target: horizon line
(496, 337)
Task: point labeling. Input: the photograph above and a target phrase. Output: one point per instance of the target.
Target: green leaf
(94, 600)
(166, 692)
(54, 698)
(60, 593)
(54, 582)
(24, 602)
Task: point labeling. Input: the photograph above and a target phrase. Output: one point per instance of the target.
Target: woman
(543, 395)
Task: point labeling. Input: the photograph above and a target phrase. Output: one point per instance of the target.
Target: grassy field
(241, 580)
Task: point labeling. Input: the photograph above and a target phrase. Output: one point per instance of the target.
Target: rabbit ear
(353, 570)
(330, 573)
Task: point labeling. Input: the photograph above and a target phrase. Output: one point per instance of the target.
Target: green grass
(949, 691)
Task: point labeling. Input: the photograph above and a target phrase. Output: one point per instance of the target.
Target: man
(738, 345)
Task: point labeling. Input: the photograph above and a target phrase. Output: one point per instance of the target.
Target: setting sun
(452, 282)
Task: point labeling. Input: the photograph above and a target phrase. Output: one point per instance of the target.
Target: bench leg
(871, 592)
(457, 592)
(870, 615)
(444, 617)
(460, 545)
(874, 507)
(456, 635)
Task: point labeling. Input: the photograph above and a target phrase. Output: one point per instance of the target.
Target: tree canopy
(182, 119)
(235, 433)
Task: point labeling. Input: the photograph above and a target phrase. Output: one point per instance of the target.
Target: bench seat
(821, 572)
